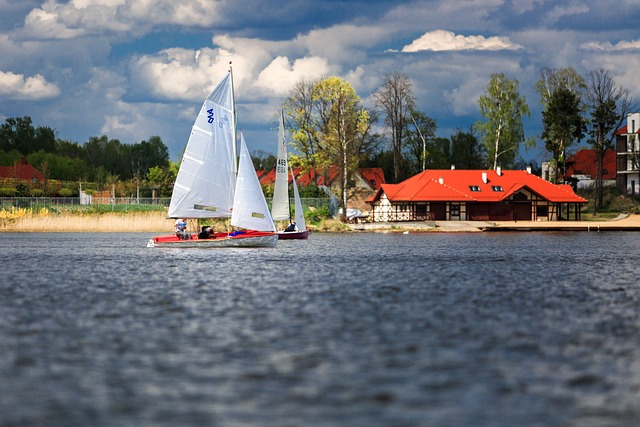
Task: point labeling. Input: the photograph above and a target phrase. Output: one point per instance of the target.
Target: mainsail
(280, 203)
(250, 209)
(302, 225)
(205, 184)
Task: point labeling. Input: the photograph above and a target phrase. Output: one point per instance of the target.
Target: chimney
(499, 171)
(484, 177)
(529, 169)
(441, 180)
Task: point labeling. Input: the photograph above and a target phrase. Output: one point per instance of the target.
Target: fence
(121, 204)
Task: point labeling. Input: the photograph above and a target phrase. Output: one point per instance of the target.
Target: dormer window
(474, 188)
(497, 188)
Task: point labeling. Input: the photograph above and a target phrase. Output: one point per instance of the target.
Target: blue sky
(131, 69)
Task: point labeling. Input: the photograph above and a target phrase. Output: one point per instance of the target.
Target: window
(474, 188)
(497, 188)
(455, 210)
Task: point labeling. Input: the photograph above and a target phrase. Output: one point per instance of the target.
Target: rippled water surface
(513, 329)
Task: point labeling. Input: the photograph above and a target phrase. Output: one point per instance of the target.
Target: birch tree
(501, 130)
(344, 126)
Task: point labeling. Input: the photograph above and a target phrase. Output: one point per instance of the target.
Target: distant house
(371, 178)
(22, 171)
(581, 168)
(366, 177)
(474, 195)
(628, 156)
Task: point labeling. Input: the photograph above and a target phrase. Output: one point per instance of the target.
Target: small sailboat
(208, 184)
(280, 206)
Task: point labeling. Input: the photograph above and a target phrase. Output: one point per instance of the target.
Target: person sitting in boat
(291, 227)
(181, 228)
(206, 232)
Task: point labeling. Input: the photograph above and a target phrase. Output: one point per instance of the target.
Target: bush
(37, 192)
(7, 192)
(66, 192)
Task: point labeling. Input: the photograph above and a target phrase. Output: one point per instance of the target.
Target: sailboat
(280, 209)
(208, 184)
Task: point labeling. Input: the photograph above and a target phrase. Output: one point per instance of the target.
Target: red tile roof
(459, 185)
(584, 163)
(623, 131)
(303, 179)
(22, 170)
(375, 176)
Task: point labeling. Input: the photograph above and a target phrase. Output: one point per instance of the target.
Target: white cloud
(17, 87)
(562, 10)
(77, 18)
(442, 40)
(608, 46)
(281, 75)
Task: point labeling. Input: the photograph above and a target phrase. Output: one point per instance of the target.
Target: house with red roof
(474, 195)
(581, 168)
(22, 171)
(366, 177)
(628, 156)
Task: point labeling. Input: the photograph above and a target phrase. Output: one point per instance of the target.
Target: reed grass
(107, 222)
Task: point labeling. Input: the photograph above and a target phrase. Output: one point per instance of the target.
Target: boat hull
(291, 235)
(249, 239)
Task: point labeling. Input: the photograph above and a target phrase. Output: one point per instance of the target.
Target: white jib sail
(205, 184)
(280, 202)
(250, 209)
(300, 223)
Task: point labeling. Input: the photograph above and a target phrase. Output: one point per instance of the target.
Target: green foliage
(22, 190)
(501, 130)
(66, 192)
(317, 214)
(466, 151)
(7, 192)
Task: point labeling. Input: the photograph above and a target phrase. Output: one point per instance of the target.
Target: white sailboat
(208, 184)
(280, 209)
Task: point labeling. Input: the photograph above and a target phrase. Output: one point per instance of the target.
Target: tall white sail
(205, 184)
(250, 208)
(280, 202)
(302, 225)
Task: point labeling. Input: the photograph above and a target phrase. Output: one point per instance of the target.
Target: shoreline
(157, 222)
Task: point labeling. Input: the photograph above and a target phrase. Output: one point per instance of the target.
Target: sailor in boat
(181, 229)
(291, 227)
(206, 232)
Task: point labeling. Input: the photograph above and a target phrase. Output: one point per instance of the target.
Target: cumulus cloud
(281, 74)
(17, 87)
(608, 46)
(442, 40)
(76, 18)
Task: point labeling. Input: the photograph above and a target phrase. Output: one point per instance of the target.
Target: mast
(284, 132)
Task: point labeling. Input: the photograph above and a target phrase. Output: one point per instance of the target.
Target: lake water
(436, 329)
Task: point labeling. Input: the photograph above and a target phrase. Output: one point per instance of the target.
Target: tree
(420, 133)
(300, 108)
(562, 124)
(501, 131)
(608, 106)
(553, 79)
(466, 150)
(396, 101)
(344, 125)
